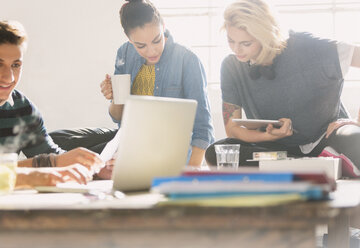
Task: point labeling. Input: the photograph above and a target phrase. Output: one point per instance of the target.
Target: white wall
(350, 96)
(72, 44)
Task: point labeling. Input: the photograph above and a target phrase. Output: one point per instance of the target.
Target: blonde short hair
(13, 32)
(256, 17)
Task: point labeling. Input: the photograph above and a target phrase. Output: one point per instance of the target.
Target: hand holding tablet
(253, 124)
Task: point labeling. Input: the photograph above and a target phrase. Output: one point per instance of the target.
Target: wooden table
(75, 220)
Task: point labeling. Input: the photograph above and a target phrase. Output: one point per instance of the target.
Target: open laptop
(153, 141)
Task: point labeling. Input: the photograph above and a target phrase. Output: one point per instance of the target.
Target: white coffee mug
(121, 87)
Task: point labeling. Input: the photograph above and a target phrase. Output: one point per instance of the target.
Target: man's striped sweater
(22, 128)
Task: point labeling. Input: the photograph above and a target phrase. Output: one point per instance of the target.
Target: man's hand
(79, 155)
(31, 177)
(106, 172)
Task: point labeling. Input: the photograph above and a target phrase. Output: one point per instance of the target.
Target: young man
(22, 127)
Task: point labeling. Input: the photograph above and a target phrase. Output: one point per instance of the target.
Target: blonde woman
(295, 78)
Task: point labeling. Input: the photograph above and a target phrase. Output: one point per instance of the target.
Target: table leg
(338, 230)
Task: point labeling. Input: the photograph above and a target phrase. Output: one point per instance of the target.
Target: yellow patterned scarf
(145, 81)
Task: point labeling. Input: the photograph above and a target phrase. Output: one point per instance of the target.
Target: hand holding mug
(106, 87)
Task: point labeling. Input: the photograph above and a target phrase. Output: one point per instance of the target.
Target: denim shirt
(178, 74)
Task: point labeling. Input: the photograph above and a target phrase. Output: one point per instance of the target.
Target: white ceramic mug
(121, 87)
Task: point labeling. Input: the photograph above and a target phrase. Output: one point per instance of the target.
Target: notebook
(153, 141)
(104, 186)
(331, 166)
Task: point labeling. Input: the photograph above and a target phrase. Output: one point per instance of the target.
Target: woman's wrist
(269, 137)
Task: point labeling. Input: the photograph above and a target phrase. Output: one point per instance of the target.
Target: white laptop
(154, 140)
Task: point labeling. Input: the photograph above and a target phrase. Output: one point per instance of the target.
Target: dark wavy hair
(13, 33)
(137, 13)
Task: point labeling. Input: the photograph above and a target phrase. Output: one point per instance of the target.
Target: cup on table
(227, 156)
(8, 164)
(121, 87)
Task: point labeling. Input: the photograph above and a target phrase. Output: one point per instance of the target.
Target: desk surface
(347, 195)
(57, 213)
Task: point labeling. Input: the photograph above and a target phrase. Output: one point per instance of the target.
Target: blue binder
(251, 177)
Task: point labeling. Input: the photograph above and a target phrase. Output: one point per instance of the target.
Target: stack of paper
(331, 166)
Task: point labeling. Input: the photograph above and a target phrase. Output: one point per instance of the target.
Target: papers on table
(104, 186)
(243, 201)
(111, 147)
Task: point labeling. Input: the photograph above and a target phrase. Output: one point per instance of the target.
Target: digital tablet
(257, 123)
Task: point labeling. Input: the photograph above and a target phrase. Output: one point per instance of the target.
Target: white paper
(111, 148)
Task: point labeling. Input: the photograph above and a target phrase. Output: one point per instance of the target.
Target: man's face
(10, 69)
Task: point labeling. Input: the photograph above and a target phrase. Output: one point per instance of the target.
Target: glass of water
(8, 164)
(227, 155)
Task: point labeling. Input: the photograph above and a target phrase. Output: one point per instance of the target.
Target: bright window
(197, 24)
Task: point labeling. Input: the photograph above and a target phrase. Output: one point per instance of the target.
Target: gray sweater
(307, 87)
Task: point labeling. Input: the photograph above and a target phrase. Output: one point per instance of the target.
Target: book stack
(330, 166)
(244, 187)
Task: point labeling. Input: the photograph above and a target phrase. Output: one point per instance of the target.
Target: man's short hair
(12, 32)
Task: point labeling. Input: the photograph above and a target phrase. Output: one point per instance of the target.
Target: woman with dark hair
(295, 78)
(160, 67)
